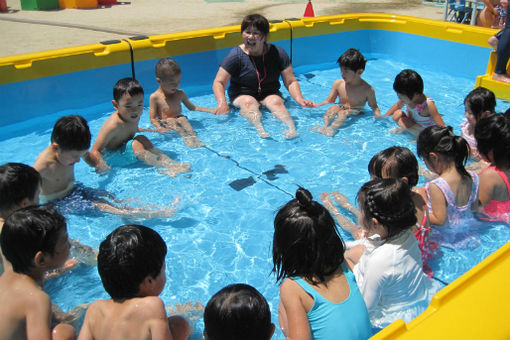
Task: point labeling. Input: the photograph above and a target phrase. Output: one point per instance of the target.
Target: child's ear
(404, 179)
(54, 146)
(158, 80)
(360, 71)
(115, 104)
(39, 259)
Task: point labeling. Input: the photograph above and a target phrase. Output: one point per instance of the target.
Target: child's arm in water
(397, 106)
(333, 94)
(439, 213)
(193, 107)
(154, 114)
(94, 157)
(434, 113)
(372, 102)
(294, 321)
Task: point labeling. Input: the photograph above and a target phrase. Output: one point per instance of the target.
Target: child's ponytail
(461, 154)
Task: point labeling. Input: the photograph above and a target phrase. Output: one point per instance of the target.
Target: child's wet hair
(408, 83)
(389, 201)
(306, 242)
(442, 141)
(127, 256)
(127, 85)
(492, 133)
(28, 231)
(17, 182)
(237, 311)
(395, 162)
(352, 59)
(167, 67)
(479, 101)
(71, 133)
(258, 21)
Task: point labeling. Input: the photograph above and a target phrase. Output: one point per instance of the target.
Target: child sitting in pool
(165, 103)
(319, 298)
(479, 103)
(116, 142)
(238, 311)
(352, 91)
(420, 110)
(34, 240)
(394, 162)
(387, 263)
(492, 134)
(19, 185)
(131, 264)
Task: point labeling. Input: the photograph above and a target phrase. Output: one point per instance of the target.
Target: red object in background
(107, 2)
(3, 5)
(309, 10)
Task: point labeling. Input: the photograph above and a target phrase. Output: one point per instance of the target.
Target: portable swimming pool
(222, 231)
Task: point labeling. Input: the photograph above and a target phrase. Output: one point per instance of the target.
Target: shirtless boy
(165, 103)
(353, 92)
(34, 240)
(70, 141)
(131, 264)
(116, 140)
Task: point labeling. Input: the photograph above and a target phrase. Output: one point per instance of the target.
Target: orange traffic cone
(309, 10)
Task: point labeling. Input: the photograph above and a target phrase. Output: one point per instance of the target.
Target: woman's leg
(275, 104)
(503, 52)
(249, 107)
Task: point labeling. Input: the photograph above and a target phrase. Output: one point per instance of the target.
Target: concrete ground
(24, 31)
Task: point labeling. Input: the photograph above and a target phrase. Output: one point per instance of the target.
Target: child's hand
(162, 129)
(306, 103)
(102, 168)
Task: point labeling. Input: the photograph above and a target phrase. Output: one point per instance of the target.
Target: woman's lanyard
(258, 74)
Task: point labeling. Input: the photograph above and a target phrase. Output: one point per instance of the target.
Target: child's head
(131, 262)
(395, 162)
(70, 138)
(386, 202)
(408, 83)
(479, 103)
(128, 99)
(19, 185)
(35, 237)
(168, 74)
(238, 311)
(306, 242)
(439, 144)
(492, 135)
(353, 60)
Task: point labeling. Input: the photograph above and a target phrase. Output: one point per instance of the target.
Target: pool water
(222, 231)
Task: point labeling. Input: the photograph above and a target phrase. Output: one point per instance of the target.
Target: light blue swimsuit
(345, 320)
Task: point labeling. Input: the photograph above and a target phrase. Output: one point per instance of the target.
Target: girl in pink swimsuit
(492, 135)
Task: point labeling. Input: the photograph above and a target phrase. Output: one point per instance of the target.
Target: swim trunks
(123, 156)
(79, 201)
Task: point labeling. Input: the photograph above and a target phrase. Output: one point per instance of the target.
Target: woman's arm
(291, 83)
(219, 85)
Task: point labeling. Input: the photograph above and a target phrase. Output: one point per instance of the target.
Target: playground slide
(500, 89)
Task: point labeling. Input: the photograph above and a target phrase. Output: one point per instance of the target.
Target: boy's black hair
(492, 133)
(306, 242)
(237, 311)
(257, 21)
(71, 133)
(395, 162)
(28, 231)
(127, 256)
(480, 100)
(17, 182)
(389, 201)
(443, 141)
(352, 59)
(126, 85)
(408, 83)
(167, 66)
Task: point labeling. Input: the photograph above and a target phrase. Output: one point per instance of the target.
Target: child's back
(319, 294)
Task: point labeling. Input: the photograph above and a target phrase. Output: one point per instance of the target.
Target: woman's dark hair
(306, 242)
(127, 256)
(257, 21)
(389, 201)
(408, 83)
(395, 162)
(480, 100)
(237, 311)
(444, 142)
(28, 231)
(492, 133)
